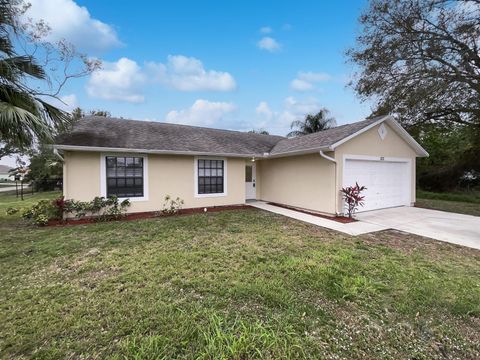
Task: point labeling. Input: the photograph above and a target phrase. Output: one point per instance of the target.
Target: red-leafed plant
(59, 205)
(353, 198)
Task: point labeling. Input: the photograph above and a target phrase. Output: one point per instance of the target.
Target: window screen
(124, 176)
(210, 176)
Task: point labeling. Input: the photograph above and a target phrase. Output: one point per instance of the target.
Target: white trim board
(195, 176)
(149, 151)
(103, 175)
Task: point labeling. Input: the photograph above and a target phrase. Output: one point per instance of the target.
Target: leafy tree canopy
(32, 74)
(259, 131)
(78, 113)
(419, 60)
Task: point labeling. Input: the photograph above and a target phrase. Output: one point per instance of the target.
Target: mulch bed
(340, 219)
(146, 215)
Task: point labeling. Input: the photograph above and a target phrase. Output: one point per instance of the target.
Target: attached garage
(388, 181)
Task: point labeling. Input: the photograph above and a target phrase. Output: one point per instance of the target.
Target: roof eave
(149, 151)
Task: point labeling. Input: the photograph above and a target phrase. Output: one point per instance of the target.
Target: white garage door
(387, 182)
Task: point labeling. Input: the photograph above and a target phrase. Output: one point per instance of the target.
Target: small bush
(12, 211)
(171, 206)
(102, 208)
(353, 198)
(41, 212)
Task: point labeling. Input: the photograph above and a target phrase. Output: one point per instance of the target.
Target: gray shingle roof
(95, 131)
(322, 139)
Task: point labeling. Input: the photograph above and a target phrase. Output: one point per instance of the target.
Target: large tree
(312, 123)
(419, 60)
(29, 80)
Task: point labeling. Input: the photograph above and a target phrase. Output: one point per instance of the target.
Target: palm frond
(20, 126)
(295, 133)
(13, 68)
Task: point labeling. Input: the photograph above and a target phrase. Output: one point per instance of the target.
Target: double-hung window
(124, 176)
(210, 176)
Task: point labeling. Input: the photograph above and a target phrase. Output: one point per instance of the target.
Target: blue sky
(228, 64)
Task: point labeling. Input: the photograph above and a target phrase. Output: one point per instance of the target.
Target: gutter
(329, 158)
(149, 151)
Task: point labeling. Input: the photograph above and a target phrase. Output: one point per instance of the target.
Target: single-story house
(145, 161)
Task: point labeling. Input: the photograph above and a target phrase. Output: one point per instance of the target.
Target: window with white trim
(124, 176)
(210, 176)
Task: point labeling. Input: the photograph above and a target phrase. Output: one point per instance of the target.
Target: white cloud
(121, 80)
(124, 79)
(266, 30)
(70, 102)
(269, 44)
(201, 113)
(305, 81)
(279, 121)
(301, 85)
(188, 74)
(73, 23)
(264, 110)
(66, 102)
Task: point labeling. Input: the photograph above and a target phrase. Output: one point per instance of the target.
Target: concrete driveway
(440, 225)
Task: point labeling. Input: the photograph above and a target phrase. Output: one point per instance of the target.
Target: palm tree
(312, 124)
(25, 117)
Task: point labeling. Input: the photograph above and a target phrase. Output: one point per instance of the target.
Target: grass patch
(458, 202)
(472, 197)
(231, 285)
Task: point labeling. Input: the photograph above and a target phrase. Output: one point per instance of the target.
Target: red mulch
(340, 219)
(146, 215)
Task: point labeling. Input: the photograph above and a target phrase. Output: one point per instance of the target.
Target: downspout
(55, 151)
(329, 158)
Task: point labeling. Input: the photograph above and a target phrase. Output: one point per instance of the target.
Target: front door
(250, 174)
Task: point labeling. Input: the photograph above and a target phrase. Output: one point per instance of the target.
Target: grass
(472, 197)
(232, 285)
(457, 202)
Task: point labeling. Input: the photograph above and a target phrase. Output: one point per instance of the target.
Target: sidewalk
(354, 228)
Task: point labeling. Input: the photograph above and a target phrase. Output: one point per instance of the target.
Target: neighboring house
(4, 173)
(145, 161)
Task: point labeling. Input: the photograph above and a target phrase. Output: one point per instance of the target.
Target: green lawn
(232, 285)
(457, 202)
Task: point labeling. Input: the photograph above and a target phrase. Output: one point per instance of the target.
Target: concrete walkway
(355, 228)
(439, 225)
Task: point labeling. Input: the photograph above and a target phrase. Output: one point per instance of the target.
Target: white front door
(250, 176)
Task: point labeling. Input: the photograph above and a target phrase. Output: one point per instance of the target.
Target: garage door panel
(387, 182)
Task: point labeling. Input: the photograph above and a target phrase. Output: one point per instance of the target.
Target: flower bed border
(146, 215)
(340, 219)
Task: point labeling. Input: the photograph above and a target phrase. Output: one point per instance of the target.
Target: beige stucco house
(145, 161)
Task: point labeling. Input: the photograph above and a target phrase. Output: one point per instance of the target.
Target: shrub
(11, 211)
(103, 208)
(171, 206)
(41, 212)
(353, 198)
